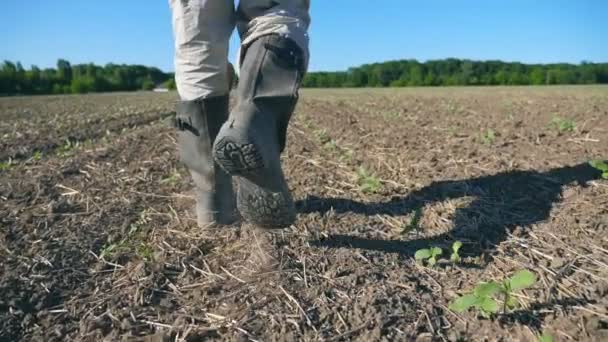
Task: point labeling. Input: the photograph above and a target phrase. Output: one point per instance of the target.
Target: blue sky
(343, 33)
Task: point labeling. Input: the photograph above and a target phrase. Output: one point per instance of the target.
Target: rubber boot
(249, 144)
(198, 123)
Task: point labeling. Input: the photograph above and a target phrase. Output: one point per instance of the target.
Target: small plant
(545, 337)
(133, 242)
(37, 155)
(391, 115)
(453, 130)
(172, 179)
(563, 125)
(346, 155)
(67, 147)
(429, 255)
(330, 145)
(5, 165)
(414, 221)
(600, 165)
(145, 252)
(322, 135)
(489, 137)
(367, 181)
(455, 257)
(482, 297)
(108, 250)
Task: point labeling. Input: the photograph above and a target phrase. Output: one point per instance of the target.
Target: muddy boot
(198, 123)
(249, 144)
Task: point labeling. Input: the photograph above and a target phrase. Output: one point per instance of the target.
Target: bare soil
(97, 240)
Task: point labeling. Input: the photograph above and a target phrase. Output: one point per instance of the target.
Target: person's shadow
(500, 203)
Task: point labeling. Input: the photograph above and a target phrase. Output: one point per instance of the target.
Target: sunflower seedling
(455, 257)
(489, 137)
(367, 181)
(600, 165)
(563, 125)
(545, 337)
(5, 165)
(483, 296)
(429, 255)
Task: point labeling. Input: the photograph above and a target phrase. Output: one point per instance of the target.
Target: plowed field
(97, 241)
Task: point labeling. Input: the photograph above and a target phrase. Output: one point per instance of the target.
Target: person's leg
(273, 60)
(202, 29)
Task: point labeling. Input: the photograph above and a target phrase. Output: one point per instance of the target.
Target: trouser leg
(202, 30)
(287, 18)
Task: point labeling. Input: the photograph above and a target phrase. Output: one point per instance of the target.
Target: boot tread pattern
(237, 158)
(267, 209)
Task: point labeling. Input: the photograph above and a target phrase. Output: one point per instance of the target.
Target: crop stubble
(97, 241)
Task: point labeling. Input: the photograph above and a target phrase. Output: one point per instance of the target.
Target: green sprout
(600, 165)
(66, 149)
(5, 165)
(429, 255)
(414, 221)
(391, 115)
(322, 135)
(455, 257)
(346, 155)
(489, 137)
(330, 145)
(367, 181)
(546, 337)
(172, 179)
(482, 297)
(145, 252)
(133, 242)
(37, 155)
(563, 125)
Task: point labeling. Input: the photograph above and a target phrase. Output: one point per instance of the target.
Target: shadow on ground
(501, 203)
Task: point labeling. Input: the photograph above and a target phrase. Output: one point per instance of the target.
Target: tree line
(81, 78)
(452, 72)
(88, 78)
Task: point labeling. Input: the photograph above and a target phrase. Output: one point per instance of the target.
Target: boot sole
(237, 158)
(256, 202)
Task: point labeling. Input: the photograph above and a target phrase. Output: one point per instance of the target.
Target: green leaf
(422, 254)
(605, 175)
(456, 246)
(489, 305)
(462, 304)
(487, 289)
(512, 303)
(600, 165)
(545, 337)
(436, 251)
(522, 280)
(432, 261)
(455, 258)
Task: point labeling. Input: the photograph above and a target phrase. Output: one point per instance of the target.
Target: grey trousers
(202, 29)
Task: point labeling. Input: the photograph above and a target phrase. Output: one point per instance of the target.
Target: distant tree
(538, 76)
(147, 84)
(83, 78)
(459, 72)
(170, 84)
(64, 71)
